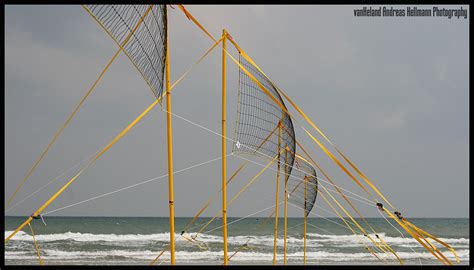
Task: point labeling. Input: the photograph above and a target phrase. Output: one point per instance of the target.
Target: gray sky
(392, 93)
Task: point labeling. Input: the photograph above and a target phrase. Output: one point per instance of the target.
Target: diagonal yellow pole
(92, 161)
(36, 245)
(224, 160)
(277, 192)
(169, 129)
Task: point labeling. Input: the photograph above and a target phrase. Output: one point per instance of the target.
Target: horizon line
(15, 216)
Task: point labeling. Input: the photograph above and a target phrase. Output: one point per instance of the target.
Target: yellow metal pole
(36, 245)
(305, 219)
(170, 144)
(224, 160)
(285, 208)
(275, 227)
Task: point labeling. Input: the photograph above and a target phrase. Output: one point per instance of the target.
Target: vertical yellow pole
(285, 208)
(224, 164)
(170, 142)
(305, 220)
(275, 226)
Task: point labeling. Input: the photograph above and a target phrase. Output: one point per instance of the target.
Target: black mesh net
(262, 127)
(303, 185)
(146, 45)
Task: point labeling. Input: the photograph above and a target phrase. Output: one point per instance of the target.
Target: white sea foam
(389, 239)
(185, 256)
(89, 237)
(265, 240)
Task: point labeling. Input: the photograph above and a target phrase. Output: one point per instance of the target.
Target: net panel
(146, 46)
(258, 130)
(303, 185)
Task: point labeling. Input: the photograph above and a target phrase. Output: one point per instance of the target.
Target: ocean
(138, 240)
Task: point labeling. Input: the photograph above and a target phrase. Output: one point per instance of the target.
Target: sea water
(138, 240)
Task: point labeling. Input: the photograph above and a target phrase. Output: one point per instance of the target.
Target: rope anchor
(39, 216)
(380, 206)
(398, 214)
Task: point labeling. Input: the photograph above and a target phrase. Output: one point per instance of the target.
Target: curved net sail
(303, 185)
(141, 31)
(262, 128)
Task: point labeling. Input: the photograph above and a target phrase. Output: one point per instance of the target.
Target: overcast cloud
(391, 92)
